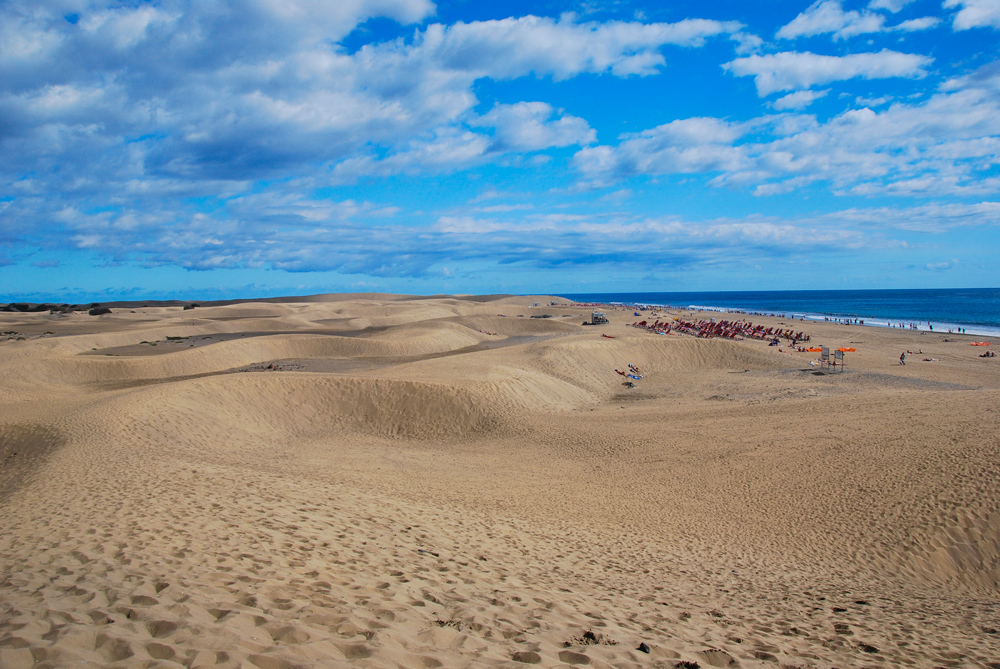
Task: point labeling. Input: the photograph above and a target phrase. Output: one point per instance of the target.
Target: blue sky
(275, 147)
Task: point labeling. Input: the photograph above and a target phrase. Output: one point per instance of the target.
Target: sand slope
(381, 481)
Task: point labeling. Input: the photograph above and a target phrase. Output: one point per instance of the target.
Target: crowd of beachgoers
(916, 326)
(706, 329)
(738, 330)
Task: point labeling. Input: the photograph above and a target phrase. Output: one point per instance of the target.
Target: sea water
(976, 310)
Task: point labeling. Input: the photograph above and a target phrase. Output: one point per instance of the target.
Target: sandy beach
(392, 481)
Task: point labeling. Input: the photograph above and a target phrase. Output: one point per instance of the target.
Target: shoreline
(950, 326)
(932, 327)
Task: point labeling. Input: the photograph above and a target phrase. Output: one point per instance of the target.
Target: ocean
(977, 310)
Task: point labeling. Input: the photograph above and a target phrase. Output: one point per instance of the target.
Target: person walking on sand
(902, 358)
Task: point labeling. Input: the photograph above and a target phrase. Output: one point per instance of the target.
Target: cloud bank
(302, 135)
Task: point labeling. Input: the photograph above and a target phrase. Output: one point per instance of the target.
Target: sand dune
(143, 363)
(387, 481)
(519, 327)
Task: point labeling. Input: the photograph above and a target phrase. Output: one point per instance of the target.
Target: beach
(377, 480)
(969, 310)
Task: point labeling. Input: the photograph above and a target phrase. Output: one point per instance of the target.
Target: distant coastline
(974, 310)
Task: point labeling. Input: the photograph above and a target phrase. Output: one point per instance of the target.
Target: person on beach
(902, 358)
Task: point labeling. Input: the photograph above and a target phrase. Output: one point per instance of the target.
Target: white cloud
(916, 25)
(684, 146)
(798, 100)
(286, 230)
(121, 27)
(118, 127)
(948, 145)
(791, 70)
(893, 6)
(985, 79)
(873, 102)
(782, 187)
(299, 234)
(521, 127)
(935, 218)
(975, 13)
(829, 17)
(445, 149)
(553, 240)
(516, 47)
(320, 15)
(746, 42)
(528, 126)
(254, 89)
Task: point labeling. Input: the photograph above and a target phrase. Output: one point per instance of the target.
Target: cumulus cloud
(521, 127)
(985, 79)
(116, 119)
(828, 17)
(916, 25)
(529, 126)
(60, 41)
(746, 42)
(790, 70)
(255, 89)
(515, 47)
(683, 146)
(798, 100)
(975, 13)
(893, 6)
(948, 145)
(201, 134)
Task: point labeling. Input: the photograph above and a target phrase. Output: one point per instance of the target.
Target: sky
(228, 148)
